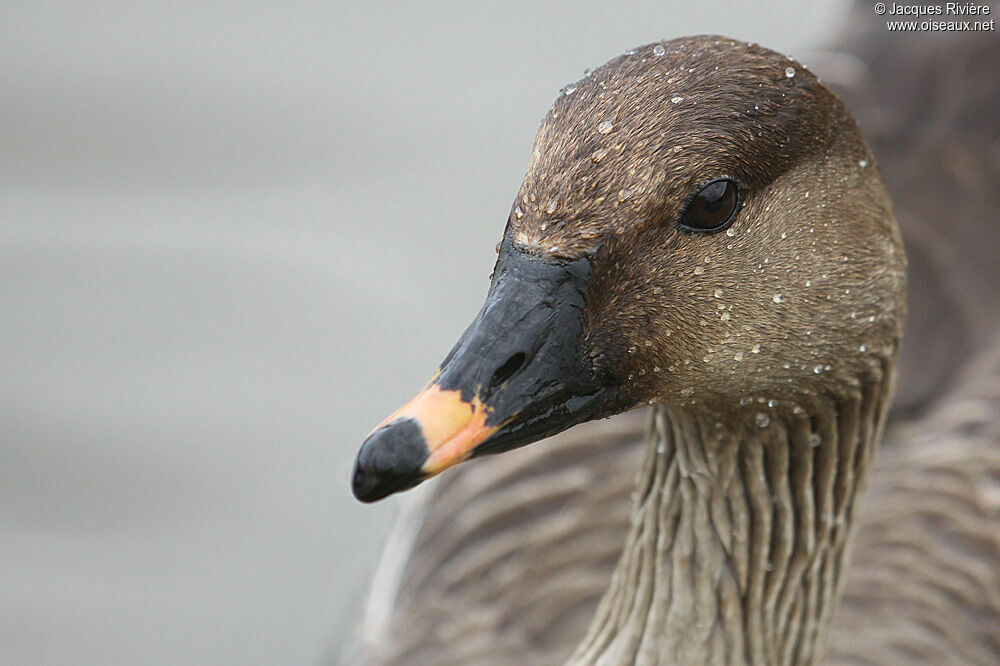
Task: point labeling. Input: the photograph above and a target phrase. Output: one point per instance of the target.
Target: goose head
(701, 222)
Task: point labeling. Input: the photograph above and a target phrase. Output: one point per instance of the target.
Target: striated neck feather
(739, 533)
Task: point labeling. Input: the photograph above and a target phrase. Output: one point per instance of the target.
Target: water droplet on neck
(658, 50)
(698, 270)
(818, 369)
(789, 72)
(551, 206)
(569, 90)
(730, 232)
(738, 356)
(624, 194)
(755, 349)
(718, 293)
(605, 126)
(745, 400)
(778, 298)
(762, 420)
(815, 440)
(862, 163)
(676, 99)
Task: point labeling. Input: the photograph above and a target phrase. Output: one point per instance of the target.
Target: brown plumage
(515, 576)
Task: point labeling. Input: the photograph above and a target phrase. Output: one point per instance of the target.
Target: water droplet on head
(730, 232)
(518, 213)
(658, 50)
(789, 72)
(718, 293)
(863, 348)
(772, 403)
(551, 206)
(815, 440)
(862, 163)
(762, 420)
(725, 317)
(676, 99)
(818, 369)
(570, 89)
(657, 290)
(605, 126)
(599, 155)
(631, 349)
(624, 194)
(755, 349)
(698, 270)
(745, 400)
(738, 356)
(778, 298)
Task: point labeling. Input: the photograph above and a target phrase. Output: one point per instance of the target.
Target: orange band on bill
(451, 426)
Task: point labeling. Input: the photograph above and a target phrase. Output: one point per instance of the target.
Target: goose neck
(739, 534)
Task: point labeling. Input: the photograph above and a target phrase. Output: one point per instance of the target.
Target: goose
(704, 233)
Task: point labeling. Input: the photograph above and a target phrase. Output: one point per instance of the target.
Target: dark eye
(713, 207)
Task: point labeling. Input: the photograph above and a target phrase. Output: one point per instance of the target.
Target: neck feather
(739, 533)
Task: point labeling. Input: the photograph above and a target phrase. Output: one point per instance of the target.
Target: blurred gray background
(233, 237)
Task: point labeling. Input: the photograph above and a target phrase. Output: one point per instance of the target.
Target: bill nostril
(507, 370)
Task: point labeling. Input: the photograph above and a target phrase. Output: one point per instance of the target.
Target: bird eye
(713, 207)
